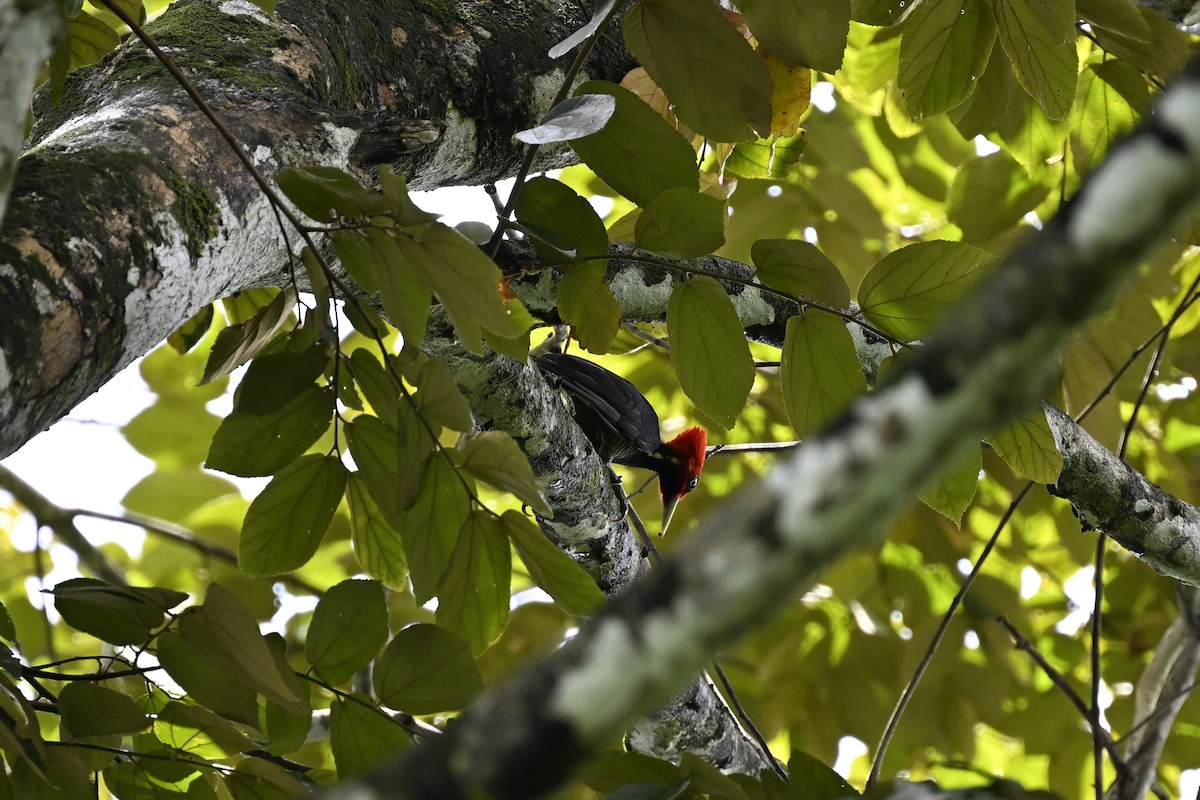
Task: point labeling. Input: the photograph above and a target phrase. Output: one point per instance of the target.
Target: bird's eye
(693, 483)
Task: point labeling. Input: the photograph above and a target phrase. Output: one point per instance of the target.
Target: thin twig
(910, 688)
(1099, 734)
(748, 723)
(61, 522)
(187, 538)
(564, 88)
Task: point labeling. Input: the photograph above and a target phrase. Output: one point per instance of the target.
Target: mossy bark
(129, 212)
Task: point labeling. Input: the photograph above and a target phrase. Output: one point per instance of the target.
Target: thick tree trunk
(130, 213)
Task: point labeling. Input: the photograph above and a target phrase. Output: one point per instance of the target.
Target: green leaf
(1163, 54)
(20, 739)
(115, 614)
(820, 372)
(766, 158)
(91, 39)
(439, 399)
(262, 444)
(426, 669)
(247, 304)
(176, 494)
(1112, 95)
(1039, 39)
(709, 349)
(554, 208)
(811, 33)
(286, 729)
(189, 334)
(611, 771)
(362, 737)
(587, 304)
(160, 777)
(954, 490)
(573, 118)
(237, 344)
(944, 50)
(514, 347)
(319, 282)
(913, 287)
(996, 100)
(206, 680)
(89, 710)
(880, 13)
(376, 383)
(991, 194)
(681, 223)
(810, 777)
(464, 279)
(638, 153)
(1119, 16)
(224, 631)
(718, 84)
(273, 380)
(703, 777)
(8, 629)
(286, 522)
(1027, 445)
(348, 627)
(258, 779)
(552, 569)
(405, 297)
(474, 592)
(800, 270)
(391, 461)
(199, 732)
(395, 188)
(376, 543)
(429, 529)
(356, 252)
(326, 193)
(495, 457)
(1030, 136)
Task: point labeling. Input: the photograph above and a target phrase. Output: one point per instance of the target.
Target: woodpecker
(623, 427)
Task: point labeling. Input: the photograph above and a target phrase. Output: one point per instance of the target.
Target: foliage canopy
(866, 165)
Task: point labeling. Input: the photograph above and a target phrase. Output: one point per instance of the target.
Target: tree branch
(993, 357)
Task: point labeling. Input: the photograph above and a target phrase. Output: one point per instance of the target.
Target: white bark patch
(340, 140)
(77, 132)
(243, 8)
(262, 155)
(455, 153)
(1128, 195)
(594, 696)
(1135, 189)
(6, 402)
(163, 299)
(1181, 108)
(633, 294)
(545, 89)
(1172, 546)
(822, 471)
(752, 308)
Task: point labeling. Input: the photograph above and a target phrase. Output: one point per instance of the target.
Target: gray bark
(151, 218)
(993, 357)
(129, 213)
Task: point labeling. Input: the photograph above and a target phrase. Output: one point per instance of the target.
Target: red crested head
(686, 453)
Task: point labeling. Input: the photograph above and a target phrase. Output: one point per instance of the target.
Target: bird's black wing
(616, 401)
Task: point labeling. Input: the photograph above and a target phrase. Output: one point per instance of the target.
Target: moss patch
(196, 212)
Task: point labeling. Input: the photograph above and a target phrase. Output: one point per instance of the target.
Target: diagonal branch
(991, 359)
